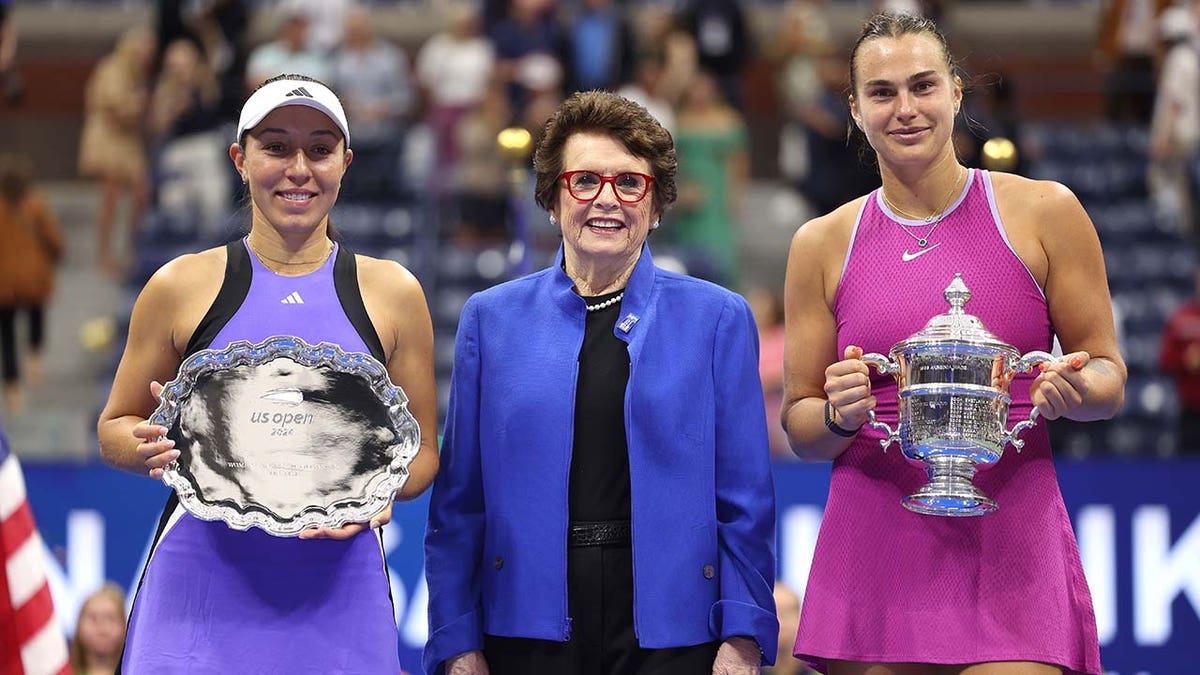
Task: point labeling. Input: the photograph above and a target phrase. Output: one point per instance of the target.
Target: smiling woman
(247, 591)
(891, 591)
(293, 165)
(603, 411)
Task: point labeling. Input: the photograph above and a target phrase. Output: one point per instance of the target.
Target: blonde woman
(112, 148)
(99, 632)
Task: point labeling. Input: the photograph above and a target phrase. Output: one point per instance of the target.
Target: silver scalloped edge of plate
(381, 489)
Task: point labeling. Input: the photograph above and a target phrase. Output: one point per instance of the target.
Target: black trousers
(1189, 432)
(600, 603)
(8, 339)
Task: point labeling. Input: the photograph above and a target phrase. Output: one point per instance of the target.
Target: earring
(654, 225)
(553, 220)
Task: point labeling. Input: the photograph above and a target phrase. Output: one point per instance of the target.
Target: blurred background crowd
(116, 153)
(117, 116)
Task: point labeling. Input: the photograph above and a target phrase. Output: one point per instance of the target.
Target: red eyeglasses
(629, 187)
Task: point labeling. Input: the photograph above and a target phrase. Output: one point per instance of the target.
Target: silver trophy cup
(953, 385)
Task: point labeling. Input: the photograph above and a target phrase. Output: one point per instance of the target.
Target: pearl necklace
(607, 303)
(934, 218)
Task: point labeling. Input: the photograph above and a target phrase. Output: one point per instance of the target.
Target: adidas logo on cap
(299, 92)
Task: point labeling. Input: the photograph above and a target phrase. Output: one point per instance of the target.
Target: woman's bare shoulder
(388, 276)
(388, 288)
(831, 231)
(191, 268)
(175, 298)
(1045, 209)
(395, 302)
(189, 273)
(1015, 191)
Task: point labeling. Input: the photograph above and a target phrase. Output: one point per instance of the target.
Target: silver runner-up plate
(283, 435)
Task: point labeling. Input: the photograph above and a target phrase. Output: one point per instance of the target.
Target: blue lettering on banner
(1137, 524)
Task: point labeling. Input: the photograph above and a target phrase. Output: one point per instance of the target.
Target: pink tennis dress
(890, 585)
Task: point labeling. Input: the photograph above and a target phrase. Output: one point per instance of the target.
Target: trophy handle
(883, 364)
(1023, 365)
(1027, 362)
(1010, 436)
(893, 436)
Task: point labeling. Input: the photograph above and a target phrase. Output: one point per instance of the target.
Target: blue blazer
(703, 502)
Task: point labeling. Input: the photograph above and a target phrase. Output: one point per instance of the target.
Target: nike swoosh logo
(913, 256)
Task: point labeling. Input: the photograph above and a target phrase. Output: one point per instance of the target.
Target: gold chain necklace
(265, 258)
(934, 219)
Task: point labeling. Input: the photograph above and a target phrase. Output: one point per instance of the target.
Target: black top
(599, 487)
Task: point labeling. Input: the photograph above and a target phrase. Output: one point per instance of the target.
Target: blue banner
(1138, 526)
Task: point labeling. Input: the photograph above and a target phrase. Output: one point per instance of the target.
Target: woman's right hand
(848, 389)
(468, 663)
(155, 454)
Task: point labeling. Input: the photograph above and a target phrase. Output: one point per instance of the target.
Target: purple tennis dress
(217, 600)
(890, 585)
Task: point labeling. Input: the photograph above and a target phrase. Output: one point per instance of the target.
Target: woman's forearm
(810, 439)
(1105, 392)
(118, 445)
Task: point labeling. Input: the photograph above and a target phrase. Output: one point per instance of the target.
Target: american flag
(31, 642)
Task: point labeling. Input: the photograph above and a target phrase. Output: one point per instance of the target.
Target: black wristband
(833, 426)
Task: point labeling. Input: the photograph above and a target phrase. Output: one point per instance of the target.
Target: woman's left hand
(1061, 387)
(349, 529)
(738, 656)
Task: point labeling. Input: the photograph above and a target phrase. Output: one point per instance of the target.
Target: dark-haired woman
(218, 600)
(606, 504)
(892, 591)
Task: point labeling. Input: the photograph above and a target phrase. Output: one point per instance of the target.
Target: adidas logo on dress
(299, 92)
(293, 299)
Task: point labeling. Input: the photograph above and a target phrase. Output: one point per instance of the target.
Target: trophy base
(949, 491)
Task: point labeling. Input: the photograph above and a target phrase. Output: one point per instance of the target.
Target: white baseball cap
(291, 92)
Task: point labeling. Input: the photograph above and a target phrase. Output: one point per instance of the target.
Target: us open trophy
(284, 435)
(953, 385)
